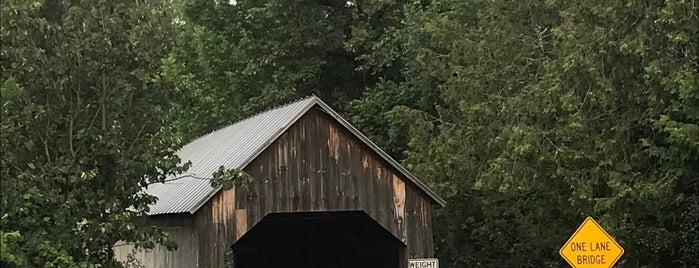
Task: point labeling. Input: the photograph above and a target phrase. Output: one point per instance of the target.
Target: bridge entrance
(318, 240)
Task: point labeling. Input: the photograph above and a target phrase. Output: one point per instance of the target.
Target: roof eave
(436, 199)
(259, 151)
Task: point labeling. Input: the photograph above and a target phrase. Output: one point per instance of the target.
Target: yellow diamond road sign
(591, 247)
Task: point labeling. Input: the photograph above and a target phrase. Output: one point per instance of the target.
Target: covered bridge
(323, 195)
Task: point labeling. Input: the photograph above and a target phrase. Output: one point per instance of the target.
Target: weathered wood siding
(316, 165)
(181, 229)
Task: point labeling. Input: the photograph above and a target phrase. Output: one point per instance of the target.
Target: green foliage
(231, 61)
(8, 240)
(552, 111)
(83, 128)
(227, 178)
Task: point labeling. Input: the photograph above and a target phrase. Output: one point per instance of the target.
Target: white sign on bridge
(423, 263)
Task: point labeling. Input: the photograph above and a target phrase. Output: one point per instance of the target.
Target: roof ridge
(237, 145)
(256, 114)
(270, 108)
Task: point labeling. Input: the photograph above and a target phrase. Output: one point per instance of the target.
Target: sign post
(591, 247)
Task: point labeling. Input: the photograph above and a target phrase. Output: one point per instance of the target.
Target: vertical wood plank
(399, 206)
(241, 222)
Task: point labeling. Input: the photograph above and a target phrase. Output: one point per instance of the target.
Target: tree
(84, 127)
(233, 59)
(553, 111)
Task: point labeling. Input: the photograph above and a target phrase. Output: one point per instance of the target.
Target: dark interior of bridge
(318, 240)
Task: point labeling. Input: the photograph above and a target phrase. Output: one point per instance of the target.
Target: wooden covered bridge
(323, 195)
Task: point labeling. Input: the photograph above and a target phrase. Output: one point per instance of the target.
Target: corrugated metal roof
(236, 146)
(232, 147)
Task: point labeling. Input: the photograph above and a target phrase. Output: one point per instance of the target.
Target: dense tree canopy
(83, 128)
(232, 60)
(527, 116)
(553, 111)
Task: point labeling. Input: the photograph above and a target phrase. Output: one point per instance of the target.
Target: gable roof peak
(235, 146)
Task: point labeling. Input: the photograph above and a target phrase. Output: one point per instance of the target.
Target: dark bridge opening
(318, 240)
